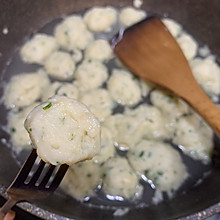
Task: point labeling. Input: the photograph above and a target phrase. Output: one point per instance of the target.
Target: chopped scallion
(141, 154)
(13, 130)
(47, 106)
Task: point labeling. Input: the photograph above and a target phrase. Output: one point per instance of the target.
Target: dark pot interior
(199, 17)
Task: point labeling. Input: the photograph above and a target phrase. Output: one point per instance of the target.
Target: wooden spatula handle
(204, 106)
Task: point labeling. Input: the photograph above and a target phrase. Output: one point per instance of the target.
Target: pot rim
(47, 215)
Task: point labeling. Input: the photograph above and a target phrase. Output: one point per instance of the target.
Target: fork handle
(2, 215)
(7, 207)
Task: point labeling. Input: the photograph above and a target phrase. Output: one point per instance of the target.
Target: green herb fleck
(47, 106)
(89, 60)
(134, 77)
(160, 173)
(30, 129)
(72, 137)
(170, 99)
(146, 172)
(155, 180)
(58, 162)
(104, 175)
(13, 130)
(57, 90)
(79, 164)
(63, 119)
(89, 175)
(64, 94)
(150, 120)
(141, 154)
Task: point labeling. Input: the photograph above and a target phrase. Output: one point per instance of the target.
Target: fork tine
(47, 176)
(25, 169)
(58, 177)
(38, 172)
(36, 188)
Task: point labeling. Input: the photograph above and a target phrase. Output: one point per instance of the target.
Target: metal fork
(42, 183)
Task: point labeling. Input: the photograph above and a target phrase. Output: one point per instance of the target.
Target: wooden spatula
(150, 51)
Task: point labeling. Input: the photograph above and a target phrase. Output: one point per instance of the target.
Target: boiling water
(196, 169)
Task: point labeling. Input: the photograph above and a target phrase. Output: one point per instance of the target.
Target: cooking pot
(19, 19)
